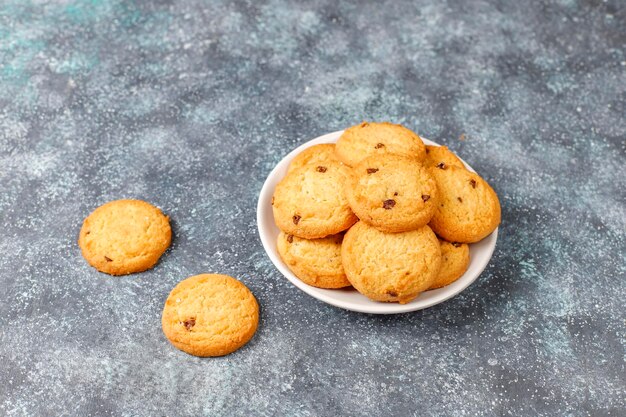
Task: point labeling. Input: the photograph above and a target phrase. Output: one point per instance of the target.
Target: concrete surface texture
(189, 105)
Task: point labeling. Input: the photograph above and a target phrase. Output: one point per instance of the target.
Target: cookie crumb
(388, 204)
(462, 137)
(425, 197)
(379, 145)
(372, 170)
(321, 169)
(296, 219)
(108, 259)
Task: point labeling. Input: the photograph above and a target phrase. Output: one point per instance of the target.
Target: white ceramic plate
(350, 299)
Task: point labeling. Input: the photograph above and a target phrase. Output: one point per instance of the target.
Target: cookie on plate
(392, 193)
(316, 262)
(310, 202)
(391, 267)
(441, 156)
(468, 209)
(315, 155)
(360, 141)
(210, 315)
(124, 236)
(455, 259)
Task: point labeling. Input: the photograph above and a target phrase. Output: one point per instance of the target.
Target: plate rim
(448, 292)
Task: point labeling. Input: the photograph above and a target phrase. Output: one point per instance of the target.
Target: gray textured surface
(189, 105)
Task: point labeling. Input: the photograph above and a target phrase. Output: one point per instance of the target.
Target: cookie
(310, 202)
(316, 262)
(210, 315)
(124, 236)
(390, 266)
(315, 155)
(468, 209)
(360, 141)
(438, 155)
(392, 193)
(455, 259)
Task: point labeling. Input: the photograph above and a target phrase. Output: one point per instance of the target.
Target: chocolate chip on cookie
(388, 204)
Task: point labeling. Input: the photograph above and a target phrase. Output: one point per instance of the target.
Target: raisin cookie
(455, 259)
(468, 209)
(441, 156)
(316, 262)
(390, 266)
(310, 202)
(392, 193)
(360, 141)
(315, 155)
(210, 315)
(124, 236)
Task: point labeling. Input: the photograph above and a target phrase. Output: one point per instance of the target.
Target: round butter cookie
(468, 209)
(360, 141)
(124, 236)
(441, 156)
(310, 202)
(316, 262)
(455, 259)
(210, 315)
(390, 266)
(315, 155)
(392, 193)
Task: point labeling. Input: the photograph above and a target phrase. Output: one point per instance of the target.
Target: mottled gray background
(189, 104)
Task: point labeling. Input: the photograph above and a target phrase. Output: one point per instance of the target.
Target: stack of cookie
(382, 212)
